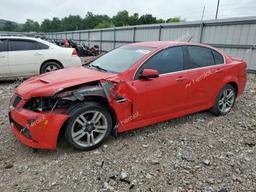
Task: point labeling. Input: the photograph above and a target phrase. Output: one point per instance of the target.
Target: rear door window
(3, 45)
(200, 57)
(22, 45)
(42, 46)
(218, 58)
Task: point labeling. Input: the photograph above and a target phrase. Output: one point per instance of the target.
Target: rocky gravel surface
(199, 152)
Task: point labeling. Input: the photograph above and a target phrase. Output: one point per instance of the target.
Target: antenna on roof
(185, 37)
(190, 38)
(202, 18)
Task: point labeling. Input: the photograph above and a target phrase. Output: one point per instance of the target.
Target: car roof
(28, 38)
(160, 44)
(18, 37)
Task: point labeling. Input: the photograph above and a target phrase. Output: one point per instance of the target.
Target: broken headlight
(40, 104)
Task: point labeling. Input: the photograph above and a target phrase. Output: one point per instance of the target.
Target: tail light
(74, 52)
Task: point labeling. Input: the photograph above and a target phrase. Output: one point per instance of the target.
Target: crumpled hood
(50, 83)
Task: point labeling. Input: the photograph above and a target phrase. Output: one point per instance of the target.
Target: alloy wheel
(51, 68)
(89, 128)
(226, 100)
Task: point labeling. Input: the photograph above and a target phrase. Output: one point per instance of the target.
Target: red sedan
(130, 87)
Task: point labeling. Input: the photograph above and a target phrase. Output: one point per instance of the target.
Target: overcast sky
(20, 10)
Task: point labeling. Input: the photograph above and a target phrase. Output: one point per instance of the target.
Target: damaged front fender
(118, 94)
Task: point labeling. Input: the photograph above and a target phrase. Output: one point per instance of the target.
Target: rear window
(22, 45)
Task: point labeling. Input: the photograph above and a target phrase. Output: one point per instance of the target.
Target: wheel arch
(234, 84)
(229, 80)
(103, 101)
(98, 99)
(232, 80)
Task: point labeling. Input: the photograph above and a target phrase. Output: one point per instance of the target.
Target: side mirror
(149, 73)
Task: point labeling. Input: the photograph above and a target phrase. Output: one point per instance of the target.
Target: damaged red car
(130, 87)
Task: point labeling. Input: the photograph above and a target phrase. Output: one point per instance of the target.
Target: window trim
(187, 70)
(184, 61)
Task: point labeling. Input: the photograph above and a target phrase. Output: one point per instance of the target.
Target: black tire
(51, 64)
(83, 110)
(218, 109)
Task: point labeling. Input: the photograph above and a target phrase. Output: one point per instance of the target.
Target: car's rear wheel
(89, 125)
(225, 100)
(50, 66)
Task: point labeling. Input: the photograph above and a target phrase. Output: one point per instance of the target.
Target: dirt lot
(199, 151)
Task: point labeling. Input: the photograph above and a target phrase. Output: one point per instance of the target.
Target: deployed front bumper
(37, 130)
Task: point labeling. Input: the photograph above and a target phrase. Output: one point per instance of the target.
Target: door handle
(218, 70)
(181, 78)
(38, 54)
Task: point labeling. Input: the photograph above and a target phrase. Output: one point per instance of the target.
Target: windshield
(120, 59)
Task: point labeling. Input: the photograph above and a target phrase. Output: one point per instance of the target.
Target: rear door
(4, 65)
(205, 67)
(24, 57)
(163, 95)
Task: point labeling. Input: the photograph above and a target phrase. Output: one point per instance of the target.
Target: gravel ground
(199, 152)
(86, 60)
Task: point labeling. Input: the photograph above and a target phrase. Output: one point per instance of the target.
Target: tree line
(90, 21)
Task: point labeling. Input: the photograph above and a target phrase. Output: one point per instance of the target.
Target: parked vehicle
(25, 56)
(130, 87)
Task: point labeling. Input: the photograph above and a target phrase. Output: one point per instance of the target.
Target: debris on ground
(198, 152)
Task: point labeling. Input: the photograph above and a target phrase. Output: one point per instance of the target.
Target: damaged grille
(23, 130)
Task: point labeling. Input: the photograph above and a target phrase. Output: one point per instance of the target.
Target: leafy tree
(147, 19)
(46, 25)
(121, 19)
(160, 21)
(134, 19)
(104, 24)
(72, 23)
(31, 25)
(173, 20)
(56, 24)
(9, 26)
(90, 21)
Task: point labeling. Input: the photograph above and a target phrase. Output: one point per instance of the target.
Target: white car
(25, 56)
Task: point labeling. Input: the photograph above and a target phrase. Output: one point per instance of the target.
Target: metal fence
(236, 36)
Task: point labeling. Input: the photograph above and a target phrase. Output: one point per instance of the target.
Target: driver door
(165, 94)
(4, 63)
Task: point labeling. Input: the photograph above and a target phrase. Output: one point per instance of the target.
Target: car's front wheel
(89, 125)
(225, 100)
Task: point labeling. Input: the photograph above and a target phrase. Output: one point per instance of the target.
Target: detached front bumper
(37, 130)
